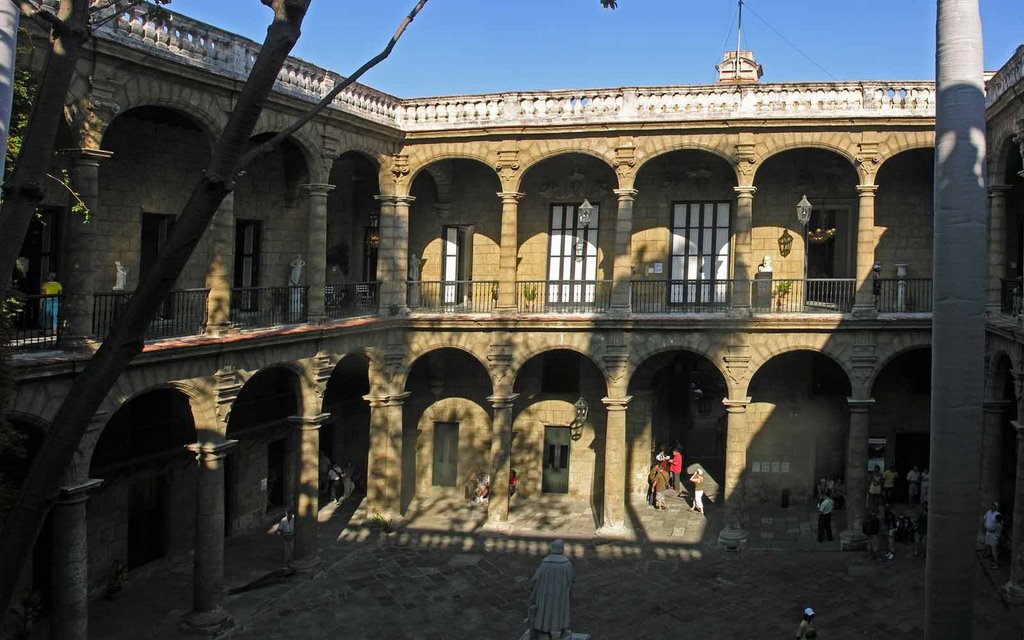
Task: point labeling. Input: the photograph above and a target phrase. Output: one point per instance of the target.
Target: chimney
(733, 70)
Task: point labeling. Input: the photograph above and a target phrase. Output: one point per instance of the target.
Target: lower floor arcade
(176, 467)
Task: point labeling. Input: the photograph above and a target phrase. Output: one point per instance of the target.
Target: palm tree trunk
(958, 325)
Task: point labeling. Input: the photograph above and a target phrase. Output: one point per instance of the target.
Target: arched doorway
(353, 235)
(901, 416)
(345, 437)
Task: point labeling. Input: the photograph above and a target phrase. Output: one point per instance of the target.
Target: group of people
(667, 475)
(340, 480)
(882, 486)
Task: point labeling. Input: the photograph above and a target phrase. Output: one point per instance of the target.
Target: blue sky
(477, 46)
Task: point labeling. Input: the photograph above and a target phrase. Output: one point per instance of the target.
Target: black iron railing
(183, 313)
(36, 320)
(253, 307)
(453, 296)
(814, 295)
(351, 300)
(904, 295)
(1011, 296)
(680, 296)
(563, 296)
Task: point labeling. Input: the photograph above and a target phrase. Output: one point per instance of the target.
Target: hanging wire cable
(786, 40)
(732, 21)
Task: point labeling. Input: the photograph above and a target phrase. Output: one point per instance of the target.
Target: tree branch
(44, 18)
(265, 148)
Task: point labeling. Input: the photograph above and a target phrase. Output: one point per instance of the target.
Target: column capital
(79, 492)
(206, 451)
(317, 188)
(860, 405)
(309, 423)
(865, 190)
(996, 406)
(393, 199)
(736, 405)
(625, 194)
(502, 401)
(998, 190)
(510, 197)
(616, 404)
(82, 154)
(386, 400)
(745, 192)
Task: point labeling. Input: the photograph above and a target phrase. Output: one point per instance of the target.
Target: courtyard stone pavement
(440, 575)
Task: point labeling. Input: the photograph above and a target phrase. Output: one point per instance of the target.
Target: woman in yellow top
(51, 304)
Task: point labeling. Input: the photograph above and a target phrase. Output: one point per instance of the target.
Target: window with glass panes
(699, 265)
(572, 254)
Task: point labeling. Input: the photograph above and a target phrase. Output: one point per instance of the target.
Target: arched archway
(999, 472)
(145, 509)
(1011, 174)
(345, 438)
(353, 229)
(259, 472)
(903, 228)
(901, 416)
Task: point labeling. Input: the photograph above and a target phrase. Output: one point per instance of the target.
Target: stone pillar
(864, 300)
(1014, 589)
(622, 269)
(856, 472)
(613, 519)
(69, 611)
(737, 440)
(509, 256)
(501, 459)
(384, 473)
(316, 251)
(219, 273)
(307, 493)
(993, 413)
(207, 616)
(996, 244)
(742, 247)
(392, 256)
(79, 276)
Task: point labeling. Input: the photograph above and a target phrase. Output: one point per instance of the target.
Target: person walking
(889, 483)
(334, 478)
(698, 491)
(286, 529)
(875, 489)
(675, 469)
(806, 628)
(992, 522)
(870, 528)
(51, 303)
(825, 508)
(913, 485)
(659, 484)
(550, 589)
(926, 485)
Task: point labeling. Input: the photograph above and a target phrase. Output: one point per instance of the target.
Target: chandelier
(820, 235)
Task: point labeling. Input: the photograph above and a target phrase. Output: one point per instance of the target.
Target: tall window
(457, 248)
(699, 270)
(572, 254)
(156, 228)
(247, 253)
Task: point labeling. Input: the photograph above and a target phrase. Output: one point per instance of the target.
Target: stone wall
(903, 214)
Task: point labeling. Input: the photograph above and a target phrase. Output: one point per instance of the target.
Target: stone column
(307, 493)
(509, 256)
(501, 459)
(384, 473)
(613, 519)
(864, 300)
(856, 472)
(316, 251)
(996, 244)
(993, 413)
(1014, 589)
(219, 273)
(392, 256)
(79, 275)
(737, 440)
(69, 617)
(742, 247)
(622, 269)
(207, 616)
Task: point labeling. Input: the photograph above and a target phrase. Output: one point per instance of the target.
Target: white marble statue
(295, 277)
(415, 265)
(766, 265)
(121, 278)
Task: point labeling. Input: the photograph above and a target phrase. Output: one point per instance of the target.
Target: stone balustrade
(1008, 75)
(191, 42)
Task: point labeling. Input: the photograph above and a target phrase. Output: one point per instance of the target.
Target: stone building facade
(409, 286)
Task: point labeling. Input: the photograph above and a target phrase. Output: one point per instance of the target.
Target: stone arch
(898, 345)
(768, 350)
(521, 357)
(197, 104)
(436, 153)
(418, 350)
(657, 146)
(570, 147)
(304, 139)
(839, 143)
(995, 382)
(1003, 155)
(691, 342)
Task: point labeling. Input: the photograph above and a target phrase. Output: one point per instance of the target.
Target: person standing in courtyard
(870, 528)
(926, 485)
(889, 483)
(698, 491)
(913, 485)
(659, 484)
(286, 529)
(825, 508)
(675, 469)
(51, 303)
(550, 589)
(875, 489)
(806, 628)
(992, 523)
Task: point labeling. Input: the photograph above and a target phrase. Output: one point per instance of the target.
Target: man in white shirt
(825, 508)
(913, 484)
(286, 529)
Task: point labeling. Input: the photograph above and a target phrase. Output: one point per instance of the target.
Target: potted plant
(530, 292)
(782, 291)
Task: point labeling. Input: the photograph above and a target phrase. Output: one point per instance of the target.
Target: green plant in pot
(530, 292)
(782, 291)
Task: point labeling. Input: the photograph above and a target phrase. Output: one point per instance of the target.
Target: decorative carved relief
(625, 161)
(745, 158)
(508, 165)
(228, 383)
(398, 163)
(575, 186)
(499, 355)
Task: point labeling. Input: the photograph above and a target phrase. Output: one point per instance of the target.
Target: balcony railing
(814, 295)
(254, 307)
(1011, 294)
(36, 321)
(563, 296)
(183, 313)
(453, 296)
(904, 295)
(351, 300)
(680, 296)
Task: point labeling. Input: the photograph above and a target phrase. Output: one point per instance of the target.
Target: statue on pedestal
(121, 278)
(550, 587)
(295, 277)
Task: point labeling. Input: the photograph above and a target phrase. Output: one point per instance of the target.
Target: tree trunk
(9, 17)
(958, 325)
(126, 340)
(24, 191)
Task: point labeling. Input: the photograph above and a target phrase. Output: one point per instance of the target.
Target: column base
(219, 330)
(740, 312)
(206, 623)
(506, 311)
(733, 538)
(620, 311)
(852, 541)
(614, 531)
(1013, 593)
(496, 526)
(864, 311)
